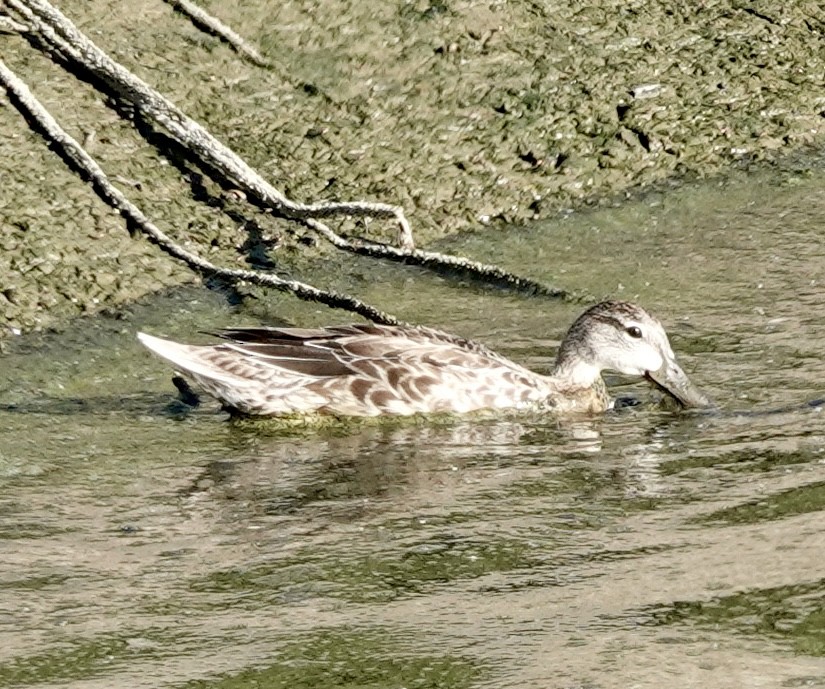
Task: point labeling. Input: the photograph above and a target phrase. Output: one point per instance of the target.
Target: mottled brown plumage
(374, 370)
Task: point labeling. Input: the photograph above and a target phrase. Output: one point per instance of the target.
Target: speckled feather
(373, 370)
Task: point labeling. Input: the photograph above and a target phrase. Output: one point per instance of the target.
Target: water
(145, 545)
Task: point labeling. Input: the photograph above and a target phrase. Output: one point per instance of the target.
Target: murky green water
(144, 545)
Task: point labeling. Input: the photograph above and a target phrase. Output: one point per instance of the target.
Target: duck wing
(356, 349)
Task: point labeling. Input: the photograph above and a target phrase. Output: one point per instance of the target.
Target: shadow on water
(146, 542)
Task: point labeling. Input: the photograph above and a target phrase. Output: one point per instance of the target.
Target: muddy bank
(467, 114)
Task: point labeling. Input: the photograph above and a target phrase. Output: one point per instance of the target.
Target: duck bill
(673, 381)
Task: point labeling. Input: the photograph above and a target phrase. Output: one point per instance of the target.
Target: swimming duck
(376, 370)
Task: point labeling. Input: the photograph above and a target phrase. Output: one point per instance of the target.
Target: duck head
(622, 337)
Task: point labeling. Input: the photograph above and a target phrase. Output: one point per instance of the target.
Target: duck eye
(634, 331)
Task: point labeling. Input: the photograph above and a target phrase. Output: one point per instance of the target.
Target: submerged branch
(78, 158)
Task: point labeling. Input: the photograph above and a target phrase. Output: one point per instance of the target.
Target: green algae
(787, 503)
(465, 116)
(84, 658)
(350, 659)
(794, 614)
(375, 578)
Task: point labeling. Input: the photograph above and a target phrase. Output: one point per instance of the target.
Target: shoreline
(468, 116)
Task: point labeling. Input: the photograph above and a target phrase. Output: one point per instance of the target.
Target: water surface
(144, 544)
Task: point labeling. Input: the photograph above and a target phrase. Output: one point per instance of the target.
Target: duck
(370, 370)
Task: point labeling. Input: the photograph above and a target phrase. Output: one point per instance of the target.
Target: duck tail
(188, 358)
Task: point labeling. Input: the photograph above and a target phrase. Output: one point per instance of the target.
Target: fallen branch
(8, 25)
(207, 22)
(74, 153)
(62, 37)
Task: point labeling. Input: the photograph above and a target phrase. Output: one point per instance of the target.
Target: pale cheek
(652, 360)
(644, 359)
(639, 361)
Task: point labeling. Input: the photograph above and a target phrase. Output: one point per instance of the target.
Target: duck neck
(577, 373)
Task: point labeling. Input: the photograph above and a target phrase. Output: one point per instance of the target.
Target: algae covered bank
(463, 113)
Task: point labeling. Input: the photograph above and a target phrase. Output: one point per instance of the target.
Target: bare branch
(206, 21)
(8, 25)
(25, 101)
(62, 37)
